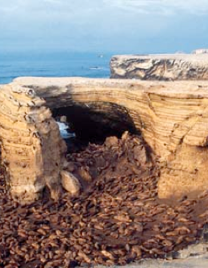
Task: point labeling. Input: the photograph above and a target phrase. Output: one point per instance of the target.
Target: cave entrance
(92, 122)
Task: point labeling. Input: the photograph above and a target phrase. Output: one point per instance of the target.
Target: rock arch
(172, 117)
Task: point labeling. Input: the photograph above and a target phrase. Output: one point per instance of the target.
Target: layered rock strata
(161, 67)
(31, 146)
(172, 117)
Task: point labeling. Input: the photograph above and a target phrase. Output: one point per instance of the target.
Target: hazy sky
(117, 26)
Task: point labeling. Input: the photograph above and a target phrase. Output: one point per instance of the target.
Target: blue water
(52, 64)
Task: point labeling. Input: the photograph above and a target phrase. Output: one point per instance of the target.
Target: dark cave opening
(94, 122)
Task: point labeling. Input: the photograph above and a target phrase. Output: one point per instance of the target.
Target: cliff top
(201, 58)
(177, 88)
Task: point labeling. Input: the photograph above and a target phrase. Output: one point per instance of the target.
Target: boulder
(70, 183)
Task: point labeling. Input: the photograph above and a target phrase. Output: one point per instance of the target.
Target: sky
(115, 26)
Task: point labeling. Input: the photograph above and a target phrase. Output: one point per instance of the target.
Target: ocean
(52, 64)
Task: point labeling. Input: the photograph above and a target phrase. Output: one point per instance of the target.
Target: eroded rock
(171, 116)
(161, 67)
(32, 149)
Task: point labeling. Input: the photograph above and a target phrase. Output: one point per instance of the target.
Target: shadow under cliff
(93, 122)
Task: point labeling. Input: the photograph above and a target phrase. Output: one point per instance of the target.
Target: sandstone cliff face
(32, 150)
(172, 117)
(161, 67)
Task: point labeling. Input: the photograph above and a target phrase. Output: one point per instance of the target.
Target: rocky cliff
(171, 116)
(31, 146)
(161, 67)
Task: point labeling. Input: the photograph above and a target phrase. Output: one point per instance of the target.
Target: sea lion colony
(115, 219)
